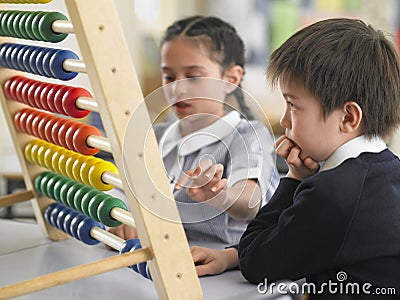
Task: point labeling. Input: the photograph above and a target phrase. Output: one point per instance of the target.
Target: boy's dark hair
(340, 60)
(220, 39)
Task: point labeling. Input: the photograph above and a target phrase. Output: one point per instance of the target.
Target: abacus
(64, 180)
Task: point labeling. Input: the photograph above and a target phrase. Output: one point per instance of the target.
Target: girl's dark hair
(220, 39)
(340, 60)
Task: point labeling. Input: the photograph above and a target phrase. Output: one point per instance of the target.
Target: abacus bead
(40, 155)
(54, 214)
(46, 61)
(35, 123)
(17, 120)
(76, 167)
(56, 158)
(64, 191)
(43, 184)
(148, 275)
(71, 194)
(80, 137)
(94, 204)
(55, 137)
(49, 210)
(85, 167)
(27, 25)
(56, 64)
(48, 130)
(44, 27)
(68, 102)
(69, 164)
(74, 225)
(61, 162)
(78, 197)
(47, 158)
(50, 186)
(57, 188)
(43, 97)
(104, 211)
(35, 25)
(95, 173)
(49, 97)
(58, 96)
(28, 152)
(130, 246)
(25, 59)
(38, 180)
(61, 218)
(67, 221)
(86, 200)
(70, 126)
(84, 231)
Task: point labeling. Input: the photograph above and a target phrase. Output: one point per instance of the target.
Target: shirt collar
(352, 149)
(200, 138)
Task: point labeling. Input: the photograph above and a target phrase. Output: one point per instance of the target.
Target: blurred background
(263, 25)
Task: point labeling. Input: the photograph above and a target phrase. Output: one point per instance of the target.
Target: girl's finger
(219, 186)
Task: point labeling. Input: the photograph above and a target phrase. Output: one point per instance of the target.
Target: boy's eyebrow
(165, 68)
(287, 95)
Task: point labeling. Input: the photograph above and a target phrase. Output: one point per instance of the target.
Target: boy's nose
(285, 121)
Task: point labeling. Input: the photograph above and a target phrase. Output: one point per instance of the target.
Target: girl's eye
(169, 78)
(192, 78)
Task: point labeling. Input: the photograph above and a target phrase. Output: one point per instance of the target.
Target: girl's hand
(299, 168)
(204, 182)
(212, 262)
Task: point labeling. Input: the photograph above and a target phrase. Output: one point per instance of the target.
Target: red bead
(48, 128)
(63, 133)
(56, 137)
(69, 102)
(35, 122)
(31, 94)
(12, 90)
(41, 90)
(80, 137)
(69, 134)
(18, 90)
(50, 96)
(58, 98)
(42, 125)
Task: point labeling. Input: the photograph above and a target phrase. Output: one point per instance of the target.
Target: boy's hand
(212, 262)
(204, 182)
(299, 168)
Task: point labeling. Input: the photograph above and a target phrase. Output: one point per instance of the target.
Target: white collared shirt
(353, 149)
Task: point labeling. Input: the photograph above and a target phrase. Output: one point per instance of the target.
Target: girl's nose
(179, 88)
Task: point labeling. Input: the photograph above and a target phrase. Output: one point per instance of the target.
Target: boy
(337, 211)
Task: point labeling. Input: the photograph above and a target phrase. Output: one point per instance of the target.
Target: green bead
(38, 180)
(16, 22)
(94, 204)
(43, 183)
(86, 199)
(64, 191)
(21, 25)
(10, 23)
(104, 211)
(79, 195)
(35, 25)
(28, 25)
(3, 22)
(57, 188)
(71, 194)
(50, 187)
(44, 27)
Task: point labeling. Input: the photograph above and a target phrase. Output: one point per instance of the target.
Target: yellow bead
(95, 173)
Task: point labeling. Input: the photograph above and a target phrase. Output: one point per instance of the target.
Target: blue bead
(54, 215)
(84, 231)
(33, 59)
(13, 56)
(49, 209)
(25, 59)
(46, 61)
(75, 223)
(56, 64)
(148, 275)
(130, 246)
(67, 221)
(61, 217)
(3, 49)
(20, 57)
(39, 62)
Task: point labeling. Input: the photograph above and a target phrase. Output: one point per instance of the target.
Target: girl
(202, 60)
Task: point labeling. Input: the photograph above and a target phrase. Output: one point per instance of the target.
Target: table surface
(25, 252)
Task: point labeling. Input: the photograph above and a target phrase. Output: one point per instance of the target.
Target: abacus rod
(75, 273)
(107, 238)
(74, 65)
(62, 26)
(112, 178)
(99, 142)
(16, 198)
(123, 216)
(87, 103)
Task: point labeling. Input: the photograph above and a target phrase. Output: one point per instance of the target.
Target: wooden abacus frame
(118, 94)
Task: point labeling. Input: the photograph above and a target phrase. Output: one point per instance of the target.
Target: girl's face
(305, 125)
(182, 63)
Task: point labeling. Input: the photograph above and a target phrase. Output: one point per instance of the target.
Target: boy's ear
(233, 75)
(352, 117)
